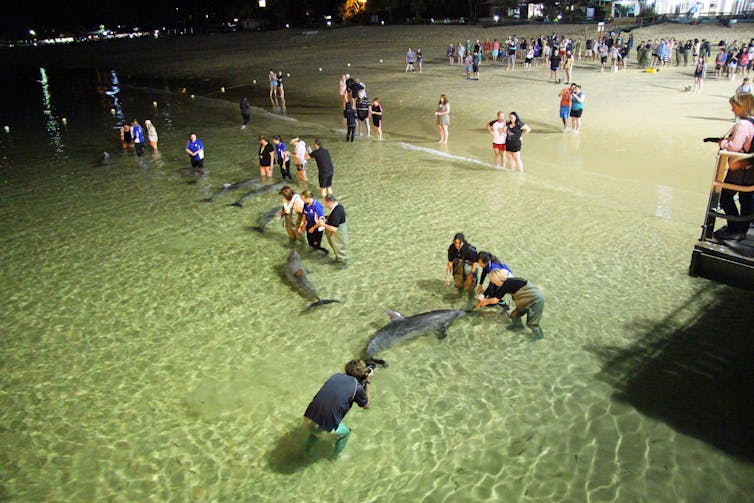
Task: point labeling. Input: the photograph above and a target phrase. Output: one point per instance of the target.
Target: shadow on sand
(289, 455)
(697, 377)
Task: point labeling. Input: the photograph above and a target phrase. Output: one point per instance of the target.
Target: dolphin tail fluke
(321, 302)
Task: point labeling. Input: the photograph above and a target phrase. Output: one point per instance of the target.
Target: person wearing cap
(324, 167)
(299, 159)
(336, 228)
(325, 413)
(528, 298)
(462, 263)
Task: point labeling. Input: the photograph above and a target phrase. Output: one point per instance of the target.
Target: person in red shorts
(497, 129)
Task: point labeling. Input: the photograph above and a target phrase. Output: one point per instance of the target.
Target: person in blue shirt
(332, 402)
(138, 137)
(195, 149)
(313, 223)
(283, 157)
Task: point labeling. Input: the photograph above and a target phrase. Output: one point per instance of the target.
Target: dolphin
(403, 328)
(296, 276)
(227, 187)
(259, 190)
(104, 159)
(266, 217)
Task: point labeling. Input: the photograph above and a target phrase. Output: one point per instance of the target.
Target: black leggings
(351, 131)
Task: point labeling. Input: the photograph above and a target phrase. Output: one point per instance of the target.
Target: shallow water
(152, 351)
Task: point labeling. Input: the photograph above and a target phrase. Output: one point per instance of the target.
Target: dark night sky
(20, 16)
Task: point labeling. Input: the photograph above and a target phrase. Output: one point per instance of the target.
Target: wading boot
(516, 323)
(538, 335)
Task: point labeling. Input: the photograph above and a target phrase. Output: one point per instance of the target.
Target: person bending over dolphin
(488, 263)
(528, 298)
(332, 402)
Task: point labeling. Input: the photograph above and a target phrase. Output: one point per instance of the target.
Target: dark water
(151, 350)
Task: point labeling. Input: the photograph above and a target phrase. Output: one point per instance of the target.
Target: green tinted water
(152, 351)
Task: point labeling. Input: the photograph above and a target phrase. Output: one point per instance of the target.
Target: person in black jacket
(462, 264)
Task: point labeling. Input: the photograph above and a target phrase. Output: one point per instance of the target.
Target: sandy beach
(154, 352)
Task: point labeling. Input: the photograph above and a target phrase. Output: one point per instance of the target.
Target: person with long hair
(516, 130)
(443, 118)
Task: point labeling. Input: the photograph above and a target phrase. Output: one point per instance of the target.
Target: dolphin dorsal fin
(394, 315)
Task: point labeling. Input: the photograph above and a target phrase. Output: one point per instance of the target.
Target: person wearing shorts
(377, 117)
(497, 129)
(577, 107)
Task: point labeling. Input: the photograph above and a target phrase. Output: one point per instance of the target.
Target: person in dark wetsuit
(528, 298)
(462, 264)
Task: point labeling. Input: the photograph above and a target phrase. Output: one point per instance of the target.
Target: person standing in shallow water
(529, 300)
(443, 118)
(516, 130)
(376, 113)
(326, 411)
(283, 157)
(336, 229)
(151, 134)
(350, 115)
(497, 129)
(195, 149)
(266, 155)
(138, 136)
(577, 107)
(244, 106)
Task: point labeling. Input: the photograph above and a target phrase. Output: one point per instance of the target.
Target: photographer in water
(325, 412)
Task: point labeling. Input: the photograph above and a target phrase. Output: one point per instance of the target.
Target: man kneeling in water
(528, 298)
(333, 401)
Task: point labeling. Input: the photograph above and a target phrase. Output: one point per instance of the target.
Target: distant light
(382, 23)
(206, 16)
(32, 33)
(329, 23)
(560, 16)
(287, 25)
(496, 18)
(235, 19)
(263, 3)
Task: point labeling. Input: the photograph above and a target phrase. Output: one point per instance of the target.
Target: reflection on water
(151, 349)
(51, 121)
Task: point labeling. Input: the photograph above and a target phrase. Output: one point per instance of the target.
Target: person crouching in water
(462, 264)
(488, 263)
(528, 298)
